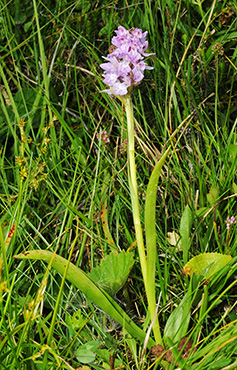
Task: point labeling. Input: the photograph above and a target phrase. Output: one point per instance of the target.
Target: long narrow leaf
(80, 279)
(150, 228)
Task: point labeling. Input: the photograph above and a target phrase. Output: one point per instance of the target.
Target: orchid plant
(124, 68)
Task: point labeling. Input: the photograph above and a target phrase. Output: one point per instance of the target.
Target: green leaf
(177, 324)
(150, 228)
(213, 195)
(105, 354)
(86, 352)
(232, 149)
(206, 264)
(27, 26)
(234, 188)
(202, 211)
(184, 230)
(113, 271)
(83, 282)
(219, 364)
(77, 321)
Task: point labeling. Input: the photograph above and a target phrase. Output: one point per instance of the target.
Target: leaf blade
(80, 279)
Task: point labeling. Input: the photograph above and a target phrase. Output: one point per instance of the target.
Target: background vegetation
(57, 174)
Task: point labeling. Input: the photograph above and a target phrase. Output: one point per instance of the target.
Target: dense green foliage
(63, 189)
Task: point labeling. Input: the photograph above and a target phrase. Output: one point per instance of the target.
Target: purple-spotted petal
(137, 75)
(123, 69)
(110, 78)
(120, 89)
(108, 91)
(121, 31)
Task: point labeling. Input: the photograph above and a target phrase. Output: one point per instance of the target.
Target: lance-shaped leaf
(150, 228)
(81, 280)
(177, 324)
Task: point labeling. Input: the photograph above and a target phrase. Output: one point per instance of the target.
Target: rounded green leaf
(206, 264)
(113, 271)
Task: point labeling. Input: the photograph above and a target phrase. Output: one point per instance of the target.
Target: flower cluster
(230, 221)
(104, 137)
(125, 65)
(218, 48)
(123, 146)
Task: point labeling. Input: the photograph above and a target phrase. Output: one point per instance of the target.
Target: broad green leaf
(206, 264)
(83, 282)
(86, 352)
(113, 271)
(185, 228)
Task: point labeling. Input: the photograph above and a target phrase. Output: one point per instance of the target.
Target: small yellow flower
(20, 160)
(21, 123)
(23, 173)
(45, 129)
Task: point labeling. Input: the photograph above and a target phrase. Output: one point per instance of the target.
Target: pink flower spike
(125, 65)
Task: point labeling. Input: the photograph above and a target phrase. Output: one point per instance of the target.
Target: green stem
(136, 214)
(133, 185)
(147, 264)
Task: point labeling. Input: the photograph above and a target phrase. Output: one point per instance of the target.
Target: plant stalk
(136, 216)
(132, 178)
